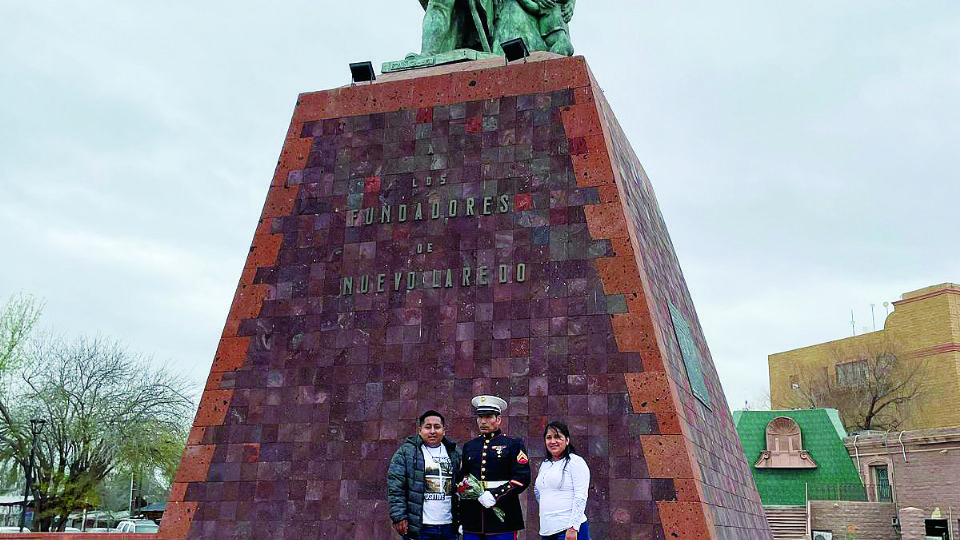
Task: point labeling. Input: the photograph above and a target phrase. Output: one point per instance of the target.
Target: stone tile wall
(854, 520)
(352, 317)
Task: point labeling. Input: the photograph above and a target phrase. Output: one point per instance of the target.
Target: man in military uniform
(502, 465)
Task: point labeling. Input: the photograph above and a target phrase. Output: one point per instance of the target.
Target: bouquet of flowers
(471, 489)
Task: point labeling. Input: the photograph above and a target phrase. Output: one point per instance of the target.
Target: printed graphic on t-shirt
(438, 476)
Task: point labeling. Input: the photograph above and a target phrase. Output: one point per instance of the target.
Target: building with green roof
(823, 461)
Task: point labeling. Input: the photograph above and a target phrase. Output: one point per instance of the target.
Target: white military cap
(488, 405)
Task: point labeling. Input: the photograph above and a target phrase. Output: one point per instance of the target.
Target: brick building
(924, 327)
(922, 469)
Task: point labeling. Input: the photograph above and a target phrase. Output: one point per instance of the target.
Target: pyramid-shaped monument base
(465, 229)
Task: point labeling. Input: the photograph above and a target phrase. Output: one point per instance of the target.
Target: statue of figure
(457, 24)
(541, 23)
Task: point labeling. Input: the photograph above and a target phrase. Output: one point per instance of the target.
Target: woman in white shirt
(561, 488)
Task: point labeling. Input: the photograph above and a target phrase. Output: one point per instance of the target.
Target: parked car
(137, 526)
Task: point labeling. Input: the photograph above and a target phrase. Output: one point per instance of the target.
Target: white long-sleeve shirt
(561, 490)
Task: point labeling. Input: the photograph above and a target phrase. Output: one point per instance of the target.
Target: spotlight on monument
(362, 72)
(515, 49)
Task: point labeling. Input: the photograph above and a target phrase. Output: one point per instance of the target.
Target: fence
(849, 492)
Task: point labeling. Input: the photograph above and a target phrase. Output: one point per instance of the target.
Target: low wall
(854, 520)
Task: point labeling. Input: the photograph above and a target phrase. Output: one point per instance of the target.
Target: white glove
(487, 499)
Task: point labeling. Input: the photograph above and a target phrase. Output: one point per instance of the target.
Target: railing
(849, 492)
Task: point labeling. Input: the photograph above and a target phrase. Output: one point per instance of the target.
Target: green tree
(106, 409)
(17, 319)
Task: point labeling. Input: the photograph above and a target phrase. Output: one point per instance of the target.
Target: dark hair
(431, 412)
(562, 429)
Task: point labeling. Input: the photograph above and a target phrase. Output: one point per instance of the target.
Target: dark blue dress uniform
(502, 463)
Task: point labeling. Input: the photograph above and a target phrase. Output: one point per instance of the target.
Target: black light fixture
(36, 426)
(515, 49)
(362, 72)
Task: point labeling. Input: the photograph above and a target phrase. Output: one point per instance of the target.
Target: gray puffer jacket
(405, 483)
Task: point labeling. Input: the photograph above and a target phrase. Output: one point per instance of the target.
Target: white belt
(493, 484)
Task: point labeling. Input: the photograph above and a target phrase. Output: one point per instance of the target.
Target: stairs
(787, 522)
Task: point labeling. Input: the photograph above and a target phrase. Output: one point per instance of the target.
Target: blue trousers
(438, 532)
(582, 534)
(501, 536)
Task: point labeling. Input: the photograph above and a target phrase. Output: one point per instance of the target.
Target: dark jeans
(582, 534)
(438, 532)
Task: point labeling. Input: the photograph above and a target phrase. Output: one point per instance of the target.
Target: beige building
(923, 329)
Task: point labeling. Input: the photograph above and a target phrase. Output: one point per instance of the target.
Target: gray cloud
(802, 153)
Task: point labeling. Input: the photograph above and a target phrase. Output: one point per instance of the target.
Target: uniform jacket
(495, 457)
(405, 483)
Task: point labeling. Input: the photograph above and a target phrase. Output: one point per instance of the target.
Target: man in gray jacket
(421, 483)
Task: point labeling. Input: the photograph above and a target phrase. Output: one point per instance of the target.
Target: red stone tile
(650, 392)
(582, 96)
(176, 520)
(177, 490)
(195, 463)
(231, 354)
(311, 106)
(687, 490)
(474, 125)
(280, 201)
(213, 381)
(292, 157)
(264, 251)
(195, 435)
(581, 121)
(606, 221)
(213, 407)
(578, 145)
(564, 73)
(619, 274)
(609, 193)
(593, 169)
(519, 347)
(251, 453)
(524, 201)
(667, 456)
(249, 301)
(684, 520)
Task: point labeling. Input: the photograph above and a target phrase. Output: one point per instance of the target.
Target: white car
(137, 526)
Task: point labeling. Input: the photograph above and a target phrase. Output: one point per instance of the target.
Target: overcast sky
(804, 153)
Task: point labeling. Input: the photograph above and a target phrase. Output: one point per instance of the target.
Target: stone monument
(478, 227)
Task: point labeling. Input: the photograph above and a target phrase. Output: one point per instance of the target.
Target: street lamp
(36, 426)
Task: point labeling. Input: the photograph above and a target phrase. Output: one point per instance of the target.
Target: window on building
(881, 482)
(851, 373)
(795, 382)
(937, 528)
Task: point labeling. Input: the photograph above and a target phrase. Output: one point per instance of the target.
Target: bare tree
(872, 386)
(105, 408)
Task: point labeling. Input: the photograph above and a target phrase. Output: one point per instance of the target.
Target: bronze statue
(482, 25)
(457, 24)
